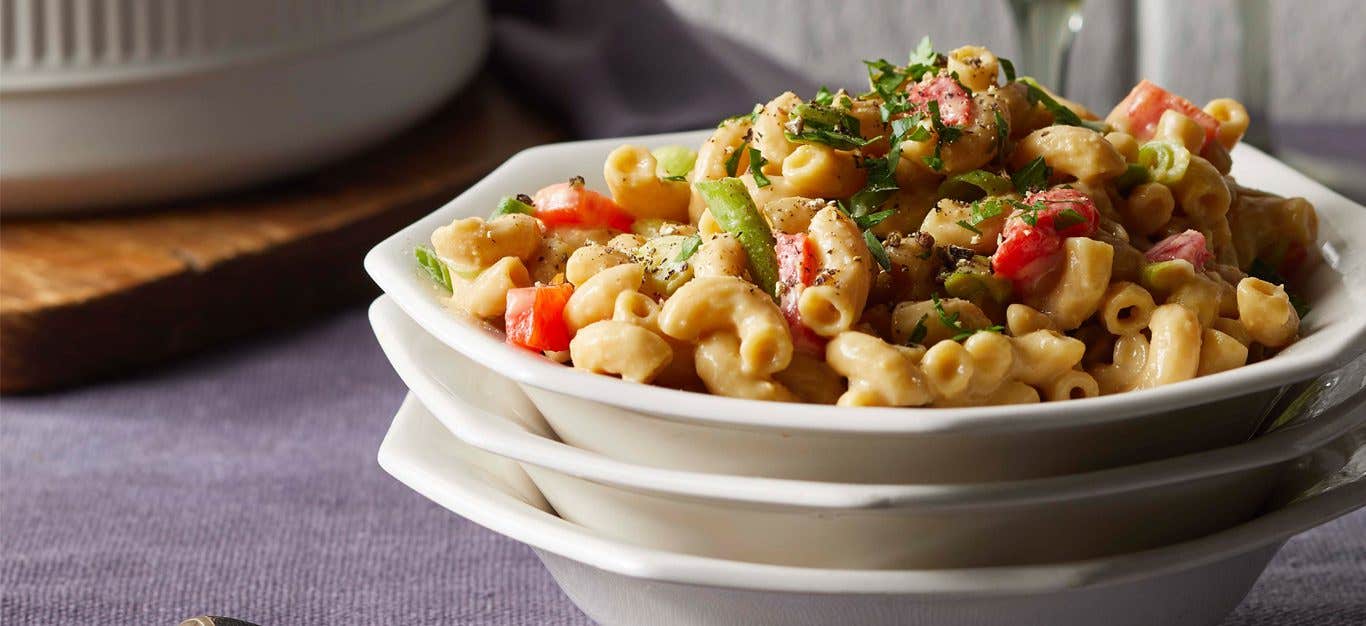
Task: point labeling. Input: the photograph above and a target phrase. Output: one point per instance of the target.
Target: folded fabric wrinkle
(607, 68)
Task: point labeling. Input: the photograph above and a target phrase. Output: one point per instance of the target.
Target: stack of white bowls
(654, 506)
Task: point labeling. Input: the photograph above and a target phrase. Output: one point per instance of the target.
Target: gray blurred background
(1316, 48)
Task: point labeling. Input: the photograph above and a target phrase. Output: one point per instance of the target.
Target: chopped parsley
(875, 248)
(950, 320)
(1034, 175)
(882, 172)
(946, 133)
(918, 331)
(982, 210)
(969, 225)
(1061, 114)
(687, 249)
(813, 122)
(756, 163)
(824, 97)
(873, 219)
(1067, 218)
(1029, 213)
(749, 117)
(923, 59)
(435, 268)
(909, 129)
(886, 79)
(1002, 133)
(959, 81)
(1008, 68)
(973, 185)
(733, 161)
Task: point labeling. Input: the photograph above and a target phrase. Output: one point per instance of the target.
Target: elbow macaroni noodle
(1138, 261)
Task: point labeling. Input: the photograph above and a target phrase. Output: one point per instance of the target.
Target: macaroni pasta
(955, 236)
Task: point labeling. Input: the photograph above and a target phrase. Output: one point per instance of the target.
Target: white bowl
(822, 524)
(1190, 584)
(118, 102)
(682, 430)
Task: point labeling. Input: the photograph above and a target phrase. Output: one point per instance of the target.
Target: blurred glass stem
(1046, 29)
(1254, 81)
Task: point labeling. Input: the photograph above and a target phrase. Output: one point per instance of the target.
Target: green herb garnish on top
(1061, 114)
(1034, 175)
(946, 134)
(950, 320)
(813, 122)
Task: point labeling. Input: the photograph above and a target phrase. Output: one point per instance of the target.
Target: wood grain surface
(87, 297)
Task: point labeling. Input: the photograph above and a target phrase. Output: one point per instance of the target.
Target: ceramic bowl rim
(399, 336)
(505, 514)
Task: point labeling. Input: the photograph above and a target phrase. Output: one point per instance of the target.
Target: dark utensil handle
(213, 620)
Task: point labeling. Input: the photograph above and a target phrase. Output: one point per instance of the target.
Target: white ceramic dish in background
(823, 524)
(117, 102)
(681, 430)
(1190, 584)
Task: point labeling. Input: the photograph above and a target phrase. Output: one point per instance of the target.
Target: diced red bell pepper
(955, 103)
(1082, 220)
(797, 269)
(797, 263)
(1189, 246)
(573, 203)
(1027, 254)
(1139, 112)
(535, 317)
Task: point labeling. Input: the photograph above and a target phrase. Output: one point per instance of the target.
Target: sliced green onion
(733, 209)
(1133, 176)
(511, 204)
(974, 185)
(673, 161)
(1164, 276)
(974, 286)
(1166, 161)
(435, 268)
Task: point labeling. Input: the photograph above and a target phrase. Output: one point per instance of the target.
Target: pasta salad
(958, 235)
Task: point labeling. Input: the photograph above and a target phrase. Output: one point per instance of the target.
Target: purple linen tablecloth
(244, 484)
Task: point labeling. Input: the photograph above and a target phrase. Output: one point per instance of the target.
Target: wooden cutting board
(82, 298)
